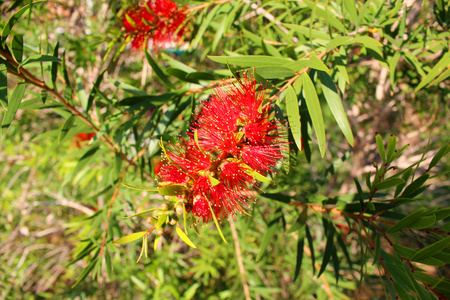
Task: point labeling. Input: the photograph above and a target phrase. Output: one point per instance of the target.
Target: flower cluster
(156, 21)
(233, 139)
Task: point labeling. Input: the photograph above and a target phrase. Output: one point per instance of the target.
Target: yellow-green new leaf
(130, 238)
(150, 189)
(184, 237)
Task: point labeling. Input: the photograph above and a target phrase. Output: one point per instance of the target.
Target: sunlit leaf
(130, 238)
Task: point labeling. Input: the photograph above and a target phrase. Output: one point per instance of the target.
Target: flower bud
(150, 220)
(179, 208)
(160, 231)
(164, 206)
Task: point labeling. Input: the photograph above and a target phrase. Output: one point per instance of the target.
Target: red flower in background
(155, 21)
(234, 135)
(82, 137)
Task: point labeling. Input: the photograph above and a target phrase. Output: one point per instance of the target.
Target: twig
(239, 260)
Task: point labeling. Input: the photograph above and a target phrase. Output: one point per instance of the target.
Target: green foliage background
(63, 206)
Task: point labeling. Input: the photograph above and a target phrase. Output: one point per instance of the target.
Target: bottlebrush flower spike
(156, 21)
(233, 135)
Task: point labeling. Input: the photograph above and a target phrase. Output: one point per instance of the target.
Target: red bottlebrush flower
(233, 135)
(156, 21)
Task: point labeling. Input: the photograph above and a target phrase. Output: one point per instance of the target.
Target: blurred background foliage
(60, 198)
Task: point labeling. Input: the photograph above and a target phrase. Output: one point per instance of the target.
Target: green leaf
(141, 213)
(152, 189)
(414, 186)
(274, 72)
(390, 148)
(315, 111)
(66, 126)
(158, 71)
(251, 60)
(368, 41)
(94, 90)
(177, 65)
(351, 9)
(204, 25)
(215, 222)
(338, 41)
(431, 249)
(17, 47)
(380, 146)
(44, 95)
(13, 105)
(172, 190)
(423, 222)
(130, 238)
(117, 165)
(13, 19)
(256, 175)
(407, 221)
(438, 156)
(376, 255)
(3, 86)
(273, 227)
(143, 249)
(389, 183)
(213, 180)
(300, 246)
(55, 66)
(85, 272)
(305, 31)
(438, 68)
(39, 58)
(127, 88)
(329, 248)
(408, 253)
(184, 237)
(293, 114)
(315, 63)
(335, 103)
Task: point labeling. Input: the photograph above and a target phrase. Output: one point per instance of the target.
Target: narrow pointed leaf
(3, 86)
(389, 183)
(130, 238)
(13, 105)
(17, 47)
(184, 237)
(380, 146)
(315, 111)
(94, 90)
(414, 186)
(158, 71)
(172, 190)
(152, 189)
(142, 212)
(55, 66)
(437, 157)
(432, 249)
(293, 114)
(335, 103)
(406, 221)
(39, 58)
(273, 227)
(66, 127)
(329, 248)
(13, 19)
(215, 222)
